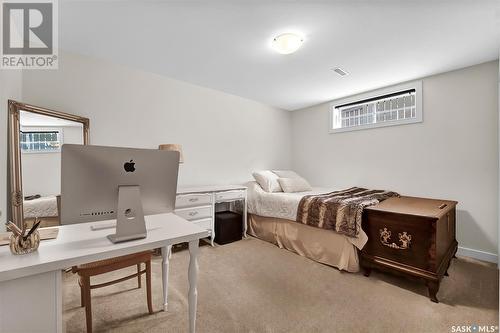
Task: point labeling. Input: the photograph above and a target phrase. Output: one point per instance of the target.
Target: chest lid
(415, 206)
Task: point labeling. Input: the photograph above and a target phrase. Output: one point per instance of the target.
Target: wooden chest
(411, 236)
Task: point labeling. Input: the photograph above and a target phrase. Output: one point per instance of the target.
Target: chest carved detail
(404, 239)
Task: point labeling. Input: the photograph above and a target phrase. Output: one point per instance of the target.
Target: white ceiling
(225, 45)
(30, 119)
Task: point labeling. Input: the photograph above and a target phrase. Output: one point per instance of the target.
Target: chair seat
(112, 264)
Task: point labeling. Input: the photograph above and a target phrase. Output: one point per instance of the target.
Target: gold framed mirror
(36, 136)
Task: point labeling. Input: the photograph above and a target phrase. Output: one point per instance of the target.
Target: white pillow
(286, 174)
(294, 185)
(267, 180)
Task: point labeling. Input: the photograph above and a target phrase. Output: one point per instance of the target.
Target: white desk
(31, 284)
(198, 204)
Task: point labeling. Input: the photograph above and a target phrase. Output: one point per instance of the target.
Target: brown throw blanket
(340, 211)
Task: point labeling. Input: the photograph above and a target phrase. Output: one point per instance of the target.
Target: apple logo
(129, 166)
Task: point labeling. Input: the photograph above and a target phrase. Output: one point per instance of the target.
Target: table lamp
(173, 147)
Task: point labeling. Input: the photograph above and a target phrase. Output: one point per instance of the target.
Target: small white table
(31, 284)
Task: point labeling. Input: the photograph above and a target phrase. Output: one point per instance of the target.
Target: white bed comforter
(284, 206)
(278, 204)
(41, 207)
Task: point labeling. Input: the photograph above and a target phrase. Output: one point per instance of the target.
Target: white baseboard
(477, 254)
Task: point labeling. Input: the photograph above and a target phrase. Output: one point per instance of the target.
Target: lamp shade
(173, 147)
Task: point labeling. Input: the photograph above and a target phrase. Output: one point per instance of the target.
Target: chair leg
(148, 286)
(82, 295)
(138, 276)
(88, 307)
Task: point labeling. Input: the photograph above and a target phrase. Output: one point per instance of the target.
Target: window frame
(416, 85)
(42, 130)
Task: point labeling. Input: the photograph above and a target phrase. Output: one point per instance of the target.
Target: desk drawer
(230, 195)
(204, 223)
(191, 200)
(195, 213)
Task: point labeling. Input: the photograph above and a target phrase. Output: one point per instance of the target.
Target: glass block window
(41, 141)
(394, 108)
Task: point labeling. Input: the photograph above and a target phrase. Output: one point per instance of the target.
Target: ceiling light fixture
(287, 43)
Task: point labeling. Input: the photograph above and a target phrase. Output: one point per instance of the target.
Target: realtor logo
(29, 34)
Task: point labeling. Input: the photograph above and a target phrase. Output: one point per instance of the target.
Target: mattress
(284, 206)
(41, 207)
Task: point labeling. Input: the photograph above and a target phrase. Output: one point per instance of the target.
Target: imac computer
(105, 183)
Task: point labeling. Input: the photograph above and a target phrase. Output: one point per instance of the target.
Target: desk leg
(165, 253)
(245, 215)
(193, 279)
(212, 234)
(59, 301)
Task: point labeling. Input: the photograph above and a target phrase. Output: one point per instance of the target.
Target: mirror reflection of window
(41, 141)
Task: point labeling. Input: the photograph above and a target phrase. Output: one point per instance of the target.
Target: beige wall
(452, 154)
(224, 137)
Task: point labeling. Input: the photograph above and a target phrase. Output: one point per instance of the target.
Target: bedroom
(207, 77)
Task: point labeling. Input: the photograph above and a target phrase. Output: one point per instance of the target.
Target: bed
(272, 218)
(45, 208)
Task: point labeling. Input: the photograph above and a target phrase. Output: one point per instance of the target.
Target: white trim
(498, 169)
(417, 85)
(477, 254)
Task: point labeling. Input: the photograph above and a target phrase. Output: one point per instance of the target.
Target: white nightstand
(198, 204)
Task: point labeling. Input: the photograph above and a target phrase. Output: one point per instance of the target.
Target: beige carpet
(253, 286)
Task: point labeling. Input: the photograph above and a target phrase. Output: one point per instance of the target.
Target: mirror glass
(41, 138)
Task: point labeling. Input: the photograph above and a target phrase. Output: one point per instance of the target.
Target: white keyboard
(102, 226)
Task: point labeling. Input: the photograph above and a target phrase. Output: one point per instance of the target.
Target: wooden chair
(104, 266)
